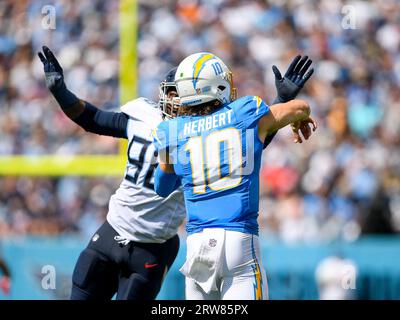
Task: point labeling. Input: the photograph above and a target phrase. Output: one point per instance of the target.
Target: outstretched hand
(294, 79)
(290, 84)
(53, 72)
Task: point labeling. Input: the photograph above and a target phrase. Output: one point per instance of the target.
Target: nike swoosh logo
(148, 265)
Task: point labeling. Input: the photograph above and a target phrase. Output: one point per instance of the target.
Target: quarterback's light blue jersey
(217, 157)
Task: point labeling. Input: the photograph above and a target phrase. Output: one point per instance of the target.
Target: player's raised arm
(288, 87)
(282, 114)
(86, 115)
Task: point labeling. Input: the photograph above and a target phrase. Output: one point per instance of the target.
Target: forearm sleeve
(89, 117)
(165, 183)
(102, 122)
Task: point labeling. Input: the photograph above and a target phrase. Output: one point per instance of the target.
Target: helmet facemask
(168, 96)
(168, 99)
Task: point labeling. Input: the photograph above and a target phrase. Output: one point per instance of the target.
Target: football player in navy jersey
(131, 252)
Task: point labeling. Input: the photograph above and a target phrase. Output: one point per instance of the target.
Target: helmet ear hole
(222, 88)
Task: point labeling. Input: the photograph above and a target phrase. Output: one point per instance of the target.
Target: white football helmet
(203, 77)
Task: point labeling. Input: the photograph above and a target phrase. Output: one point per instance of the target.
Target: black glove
(295, 77)
(54, 76)
(53, 72)
(290, 85)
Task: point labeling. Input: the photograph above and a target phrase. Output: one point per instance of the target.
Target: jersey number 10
(211, 162)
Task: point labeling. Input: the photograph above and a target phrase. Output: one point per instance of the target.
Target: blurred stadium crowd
(343, 182)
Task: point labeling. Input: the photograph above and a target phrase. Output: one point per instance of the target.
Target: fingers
(277, 73)
(300, 64)
(47, 66)
(46, 52)
(308, 75)
(313, 122)
(305, 130)
(41, 57)
(292, 65)
(296, 137)
(52, 59)
(51, 55)
(297, 71)
(305, 67)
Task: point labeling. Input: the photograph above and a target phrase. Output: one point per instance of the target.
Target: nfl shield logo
(212, 242)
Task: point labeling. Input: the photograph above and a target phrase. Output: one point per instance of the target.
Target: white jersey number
(231, 138)
(144, 173)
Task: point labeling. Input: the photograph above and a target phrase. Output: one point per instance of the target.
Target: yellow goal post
(90, 165)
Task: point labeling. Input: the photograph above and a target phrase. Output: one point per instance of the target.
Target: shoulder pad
(144, 110)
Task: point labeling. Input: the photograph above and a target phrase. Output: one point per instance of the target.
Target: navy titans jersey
(217, 157)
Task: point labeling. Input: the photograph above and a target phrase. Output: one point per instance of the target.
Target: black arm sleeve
(271, 136)
(101, 122)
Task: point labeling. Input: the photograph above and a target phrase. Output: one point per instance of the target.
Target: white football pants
(224, 265)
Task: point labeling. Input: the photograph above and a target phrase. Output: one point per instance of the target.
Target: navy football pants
(134, 271)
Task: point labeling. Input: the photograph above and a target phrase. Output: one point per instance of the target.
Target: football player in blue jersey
(213, 148)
